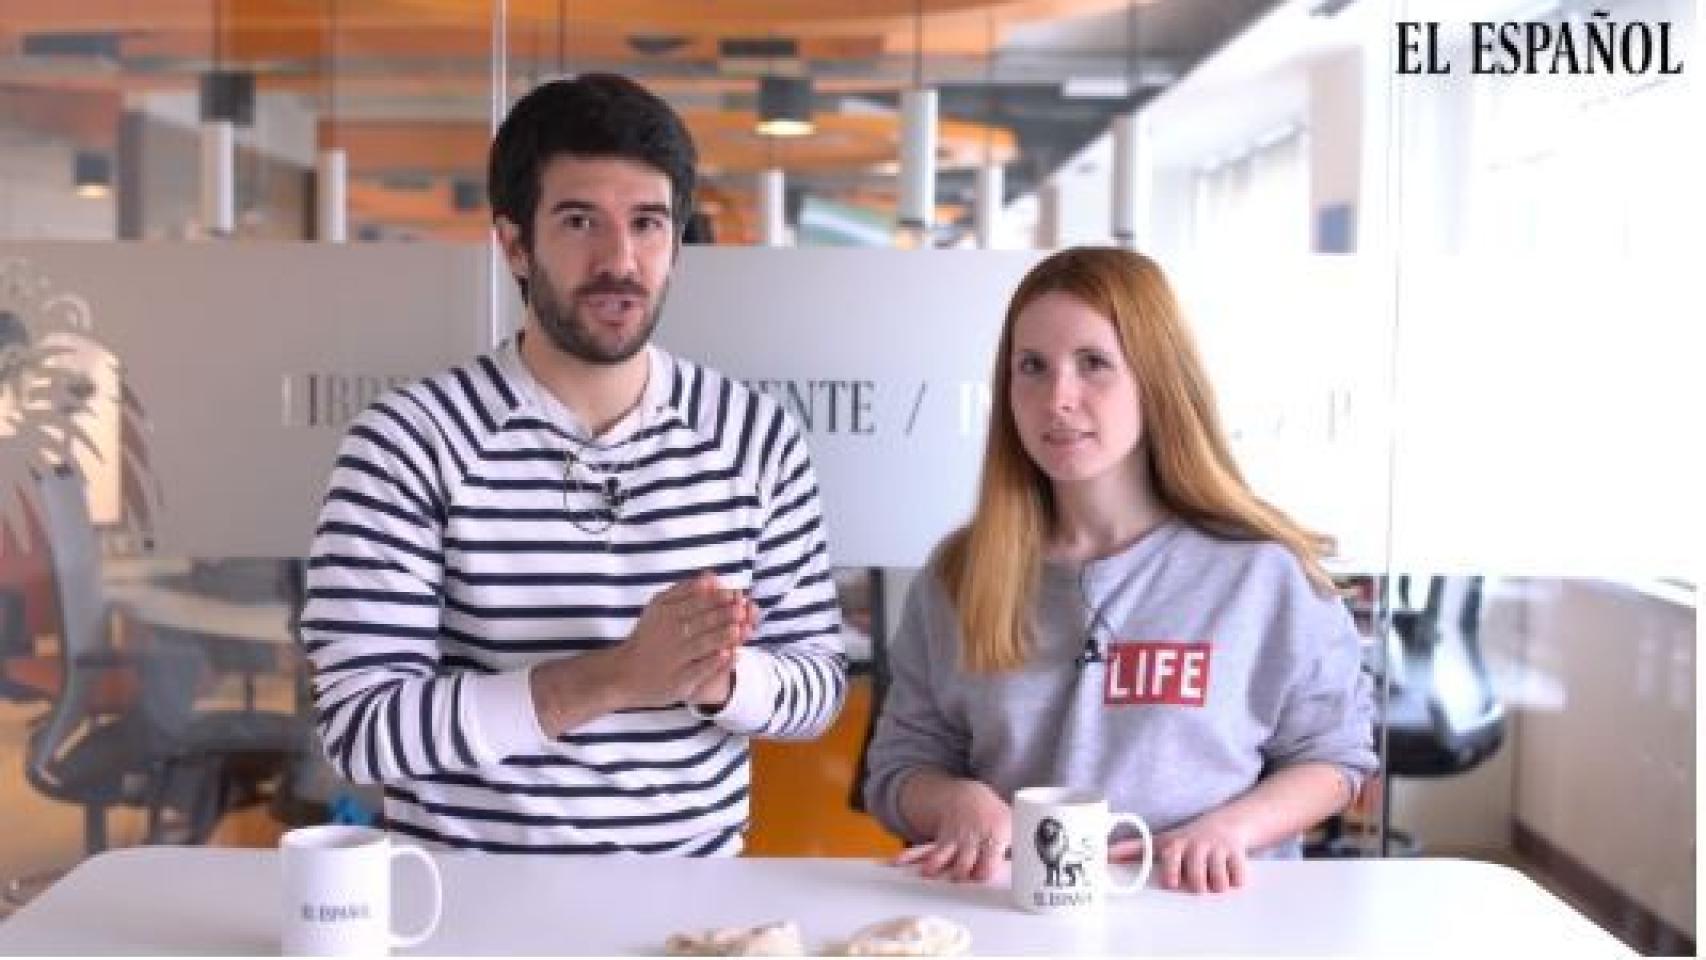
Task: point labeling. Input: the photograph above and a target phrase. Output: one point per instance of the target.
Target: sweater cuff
(891, 812)
(753, 700)
(501, 720)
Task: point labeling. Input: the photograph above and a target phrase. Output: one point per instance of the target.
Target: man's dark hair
(592, 115)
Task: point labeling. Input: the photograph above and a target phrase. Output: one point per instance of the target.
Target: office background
(1450, 320)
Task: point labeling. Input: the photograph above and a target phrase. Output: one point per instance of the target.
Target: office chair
(204, 760)
(880, 676)
(94, 746)
(124, 729)
(807, 802)
(1443, 716)
(25, 675)
(87, 748)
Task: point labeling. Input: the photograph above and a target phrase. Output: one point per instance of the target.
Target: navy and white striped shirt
(446, 564)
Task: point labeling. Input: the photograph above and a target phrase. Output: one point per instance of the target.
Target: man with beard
(554, 592)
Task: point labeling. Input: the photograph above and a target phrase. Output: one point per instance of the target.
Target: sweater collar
(528, 398)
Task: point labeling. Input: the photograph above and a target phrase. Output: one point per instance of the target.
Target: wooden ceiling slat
(952, 26)
(725, 138)
(88, 118)
(379, 147)
(432, 55)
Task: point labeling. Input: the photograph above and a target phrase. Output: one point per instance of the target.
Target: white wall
(1334, 122)
(1598, 681)
(1605, 752)
(275, 160)
(1289, 70)
(1085, 186)
(284, 124)
(36, 196)
(37, 201)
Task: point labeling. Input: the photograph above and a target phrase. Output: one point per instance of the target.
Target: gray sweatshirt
(1219, 663)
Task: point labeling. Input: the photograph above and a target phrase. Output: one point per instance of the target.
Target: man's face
(603, 244)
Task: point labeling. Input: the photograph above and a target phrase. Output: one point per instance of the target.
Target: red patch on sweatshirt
(1159, 672)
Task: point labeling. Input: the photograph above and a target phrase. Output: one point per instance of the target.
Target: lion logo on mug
(1064, 866)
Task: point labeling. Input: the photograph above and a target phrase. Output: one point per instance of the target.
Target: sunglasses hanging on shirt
(599, 487)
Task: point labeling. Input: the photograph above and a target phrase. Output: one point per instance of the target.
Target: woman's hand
(974, 827)
(1206, 855)
(1209, 854)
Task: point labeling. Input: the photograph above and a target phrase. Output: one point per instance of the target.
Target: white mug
(337, 892)
(1060, 852)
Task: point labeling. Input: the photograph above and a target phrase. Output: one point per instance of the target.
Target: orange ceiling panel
(727, 145)
(434, 148)
(868, 142)
(87, 117)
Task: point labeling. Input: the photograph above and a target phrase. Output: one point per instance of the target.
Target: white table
(143, 588)
(147, 590)
(185, 900)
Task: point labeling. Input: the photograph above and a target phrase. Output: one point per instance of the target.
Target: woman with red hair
(1122, 613)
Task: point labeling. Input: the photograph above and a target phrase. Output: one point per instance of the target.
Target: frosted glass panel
(1547, 426)
(243, 363)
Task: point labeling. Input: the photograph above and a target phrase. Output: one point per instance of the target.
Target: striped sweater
(447, 562)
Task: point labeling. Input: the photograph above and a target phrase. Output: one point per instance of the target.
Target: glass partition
(1539, 472)
(1499, 338)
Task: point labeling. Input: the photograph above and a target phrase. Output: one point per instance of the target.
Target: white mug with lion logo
(1060, 852)
(337, 892)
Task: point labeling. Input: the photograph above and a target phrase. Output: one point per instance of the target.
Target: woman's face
(1074, 397)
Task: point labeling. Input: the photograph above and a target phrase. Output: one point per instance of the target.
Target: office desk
(147, 590)
(250, 638)
(189, 900)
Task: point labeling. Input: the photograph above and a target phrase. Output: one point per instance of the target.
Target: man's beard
(560, 317)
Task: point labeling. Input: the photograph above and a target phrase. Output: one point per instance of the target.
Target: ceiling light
(467, 194)
(758, 48)
(918, 111)
(656, 44)
(227, 99)
(228, 95)
(1095, 88)
(92, 174)
(218, 177)
(93, 44)
(756, 56)
(331, 166)
(784, 106)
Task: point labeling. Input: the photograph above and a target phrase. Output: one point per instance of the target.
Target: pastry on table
(766, 940)
(909, 937)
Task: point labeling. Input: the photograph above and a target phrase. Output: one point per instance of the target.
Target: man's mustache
(611, 285)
